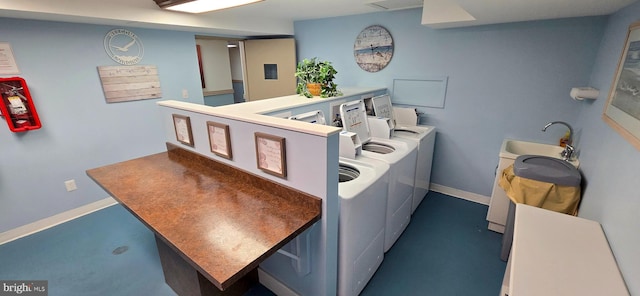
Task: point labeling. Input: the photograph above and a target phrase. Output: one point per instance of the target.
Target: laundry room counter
(222, 221)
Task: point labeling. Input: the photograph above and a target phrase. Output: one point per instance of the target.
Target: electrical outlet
(71, 185)
(185, 94)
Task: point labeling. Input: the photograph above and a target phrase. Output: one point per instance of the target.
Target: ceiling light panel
(200, 6)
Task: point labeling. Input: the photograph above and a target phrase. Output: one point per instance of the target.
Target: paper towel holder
(581, 93)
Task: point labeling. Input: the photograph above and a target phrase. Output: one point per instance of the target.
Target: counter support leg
(185, 280)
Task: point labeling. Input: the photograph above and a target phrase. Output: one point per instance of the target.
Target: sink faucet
(567, 153)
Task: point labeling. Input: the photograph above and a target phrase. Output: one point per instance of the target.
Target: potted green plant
(315, 78)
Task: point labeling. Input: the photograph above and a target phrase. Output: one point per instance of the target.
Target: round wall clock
(123, 46)
(373, 48)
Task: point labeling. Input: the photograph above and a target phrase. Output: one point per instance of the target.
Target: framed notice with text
(271, 154)
(219, 139)
(182, 125)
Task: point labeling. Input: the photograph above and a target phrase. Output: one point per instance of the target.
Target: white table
(559, 254)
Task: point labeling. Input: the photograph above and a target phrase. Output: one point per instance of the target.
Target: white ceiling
(456, 13)
(276, 17)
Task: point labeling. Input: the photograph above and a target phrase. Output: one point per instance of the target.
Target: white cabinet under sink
(499, 204)
(509, 151)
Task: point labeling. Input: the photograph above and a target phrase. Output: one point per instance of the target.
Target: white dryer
(405, 127)
(362, 189)
(401, 157)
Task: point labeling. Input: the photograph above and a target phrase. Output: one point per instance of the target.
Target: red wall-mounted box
(17, 106)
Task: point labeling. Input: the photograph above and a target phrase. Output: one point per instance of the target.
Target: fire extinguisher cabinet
(17, 106)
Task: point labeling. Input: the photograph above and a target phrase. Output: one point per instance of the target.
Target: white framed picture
(271, 154)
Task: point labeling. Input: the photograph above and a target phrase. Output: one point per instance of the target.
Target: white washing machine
(423, 135)
(362, 189)
(401, 157)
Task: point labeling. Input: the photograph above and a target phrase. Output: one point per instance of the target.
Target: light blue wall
(218, 100)
(504, 80)
(79, 130)
(611, 165)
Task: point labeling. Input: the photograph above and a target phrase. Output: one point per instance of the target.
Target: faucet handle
(567, 153)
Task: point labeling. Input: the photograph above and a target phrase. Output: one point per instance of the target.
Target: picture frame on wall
(622, 109)
(271, 154)
(219, 139)
(182, 126)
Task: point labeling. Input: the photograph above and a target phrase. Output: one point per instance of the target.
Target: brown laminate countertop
(220, 219)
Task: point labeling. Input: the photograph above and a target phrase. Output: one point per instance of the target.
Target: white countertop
(251, 111)
(559, 254)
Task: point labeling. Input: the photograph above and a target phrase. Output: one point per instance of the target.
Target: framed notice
(182, 125)
(219, 139)
(622, 109)
(271, 155)
(8, 65)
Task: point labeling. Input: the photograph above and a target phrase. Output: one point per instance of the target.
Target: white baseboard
(470, 196)
(274, 285)
(54, 220)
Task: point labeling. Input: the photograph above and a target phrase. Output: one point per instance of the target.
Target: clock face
(373, 48)
(123, 46)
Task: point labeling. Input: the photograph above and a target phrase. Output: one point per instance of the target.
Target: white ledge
(252, 111)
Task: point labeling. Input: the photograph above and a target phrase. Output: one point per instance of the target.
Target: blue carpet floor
(446, 250)
(84, 257)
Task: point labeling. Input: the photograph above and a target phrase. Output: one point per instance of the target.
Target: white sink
(514, 148)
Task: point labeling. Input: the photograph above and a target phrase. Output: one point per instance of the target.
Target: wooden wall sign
(129, 83)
